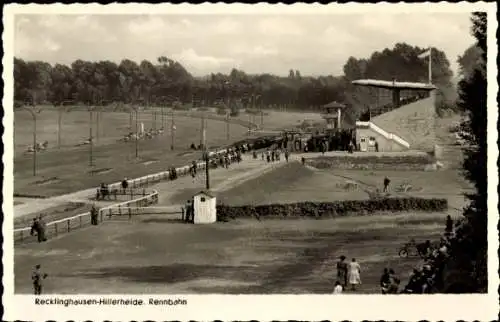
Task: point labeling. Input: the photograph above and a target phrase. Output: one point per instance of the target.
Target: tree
(469, 60)
(469, 248)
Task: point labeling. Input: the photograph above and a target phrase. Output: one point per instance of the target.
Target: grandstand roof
(394, 85)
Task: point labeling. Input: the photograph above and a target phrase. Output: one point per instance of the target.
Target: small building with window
(205, 210)
(332, 113)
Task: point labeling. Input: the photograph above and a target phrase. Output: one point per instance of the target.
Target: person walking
(37, 277)
(354, 274)
(342, 271)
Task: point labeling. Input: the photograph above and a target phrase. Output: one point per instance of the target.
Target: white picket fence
(69, 224)
(66, 225)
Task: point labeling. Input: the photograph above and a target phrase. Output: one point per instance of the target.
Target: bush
(331, 209)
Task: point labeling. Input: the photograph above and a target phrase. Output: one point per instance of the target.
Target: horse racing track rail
(66, 225)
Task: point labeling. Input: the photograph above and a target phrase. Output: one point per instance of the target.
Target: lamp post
(33, 114)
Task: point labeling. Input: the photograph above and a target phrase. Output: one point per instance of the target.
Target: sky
(255, 43)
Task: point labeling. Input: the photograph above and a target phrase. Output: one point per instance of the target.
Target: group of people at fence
(272, 155)
(422, 280)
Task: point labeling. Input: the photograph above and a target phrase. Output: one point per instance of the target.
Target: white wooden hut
(205, 211)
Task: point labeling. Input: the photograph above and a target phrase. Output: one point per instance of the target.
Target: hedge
(331, 209)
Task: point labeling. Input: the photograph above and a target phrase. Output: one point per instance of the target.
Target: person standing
(93, 215)
(37, 277)
(338, 288)
(124, 185)
(354, 274)
(385, 280)
(342, 271)
(449, 226)
(286, 155)
(41, 229)
(386, 184)
(394, 282)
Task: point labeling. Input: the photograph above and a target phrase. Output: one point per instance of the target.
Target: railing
(69, 224)
(66, 225)
(389, 136)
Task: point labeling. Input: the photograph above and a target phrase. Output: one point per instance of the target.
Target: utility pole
(91, 143)
(136, 132)
(202, 131)
(227, 126)
(33, 114)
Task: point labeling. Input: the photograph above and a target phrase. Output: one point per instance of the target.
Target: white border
(224, 307)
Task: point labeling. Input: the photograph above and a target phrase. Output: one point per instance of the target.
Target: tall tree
(467, 269)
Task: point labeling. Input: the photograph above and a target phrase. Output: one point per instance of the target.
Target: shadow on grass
(260, 278)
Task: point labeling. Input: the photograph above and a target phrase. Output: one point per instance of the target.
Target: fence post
(143, 192)
(101, 215)
(129, 213)
(131, 194)
(55, 228)
(21, 235)
(68, 225)
(80, 221)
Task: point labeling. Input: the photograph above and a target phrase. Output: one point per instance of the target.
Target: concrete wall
(384, 144)
(414, 123)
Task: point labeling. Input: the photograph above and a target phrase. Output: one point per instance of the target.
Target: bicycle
(412, 249)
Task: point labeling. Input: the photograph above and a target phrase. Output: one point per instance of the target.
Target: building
(332, 113)
(205, 210)
(407, 122)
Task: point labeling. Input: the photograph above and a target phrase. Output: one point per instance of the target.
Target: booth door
(363, 144)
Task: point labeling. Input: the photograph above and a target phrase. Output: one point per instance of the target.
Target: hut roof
(206, 193)
(334, 104)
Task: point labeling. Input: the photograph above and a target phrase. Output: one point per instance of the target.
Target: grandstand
(406, 122)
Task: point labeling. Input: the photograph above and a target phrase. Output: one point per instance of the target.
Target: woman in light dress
(338, 288)
(354, 274)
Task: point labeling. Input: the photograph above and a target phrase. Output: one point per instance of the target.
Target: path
(236, 173)
(222, 179)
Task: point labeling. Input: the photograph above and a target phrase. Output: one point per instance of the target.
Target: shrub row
(331, 209)
(394, 159)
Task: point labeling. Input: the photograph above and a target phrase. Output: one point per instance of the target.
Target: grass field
(296, 183)
(67, 170)
(153, 255)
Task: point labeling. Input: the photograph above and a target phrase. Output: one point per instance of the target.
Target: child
(338, 288)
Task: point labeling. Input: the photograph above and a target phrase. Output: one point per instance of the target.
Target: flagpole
(430, 65)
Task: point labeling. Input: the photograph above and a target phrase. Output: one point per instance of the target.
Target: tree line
(166, 81)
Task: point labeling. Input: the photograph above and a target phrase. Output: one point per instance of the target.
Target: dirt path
(222, 179)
